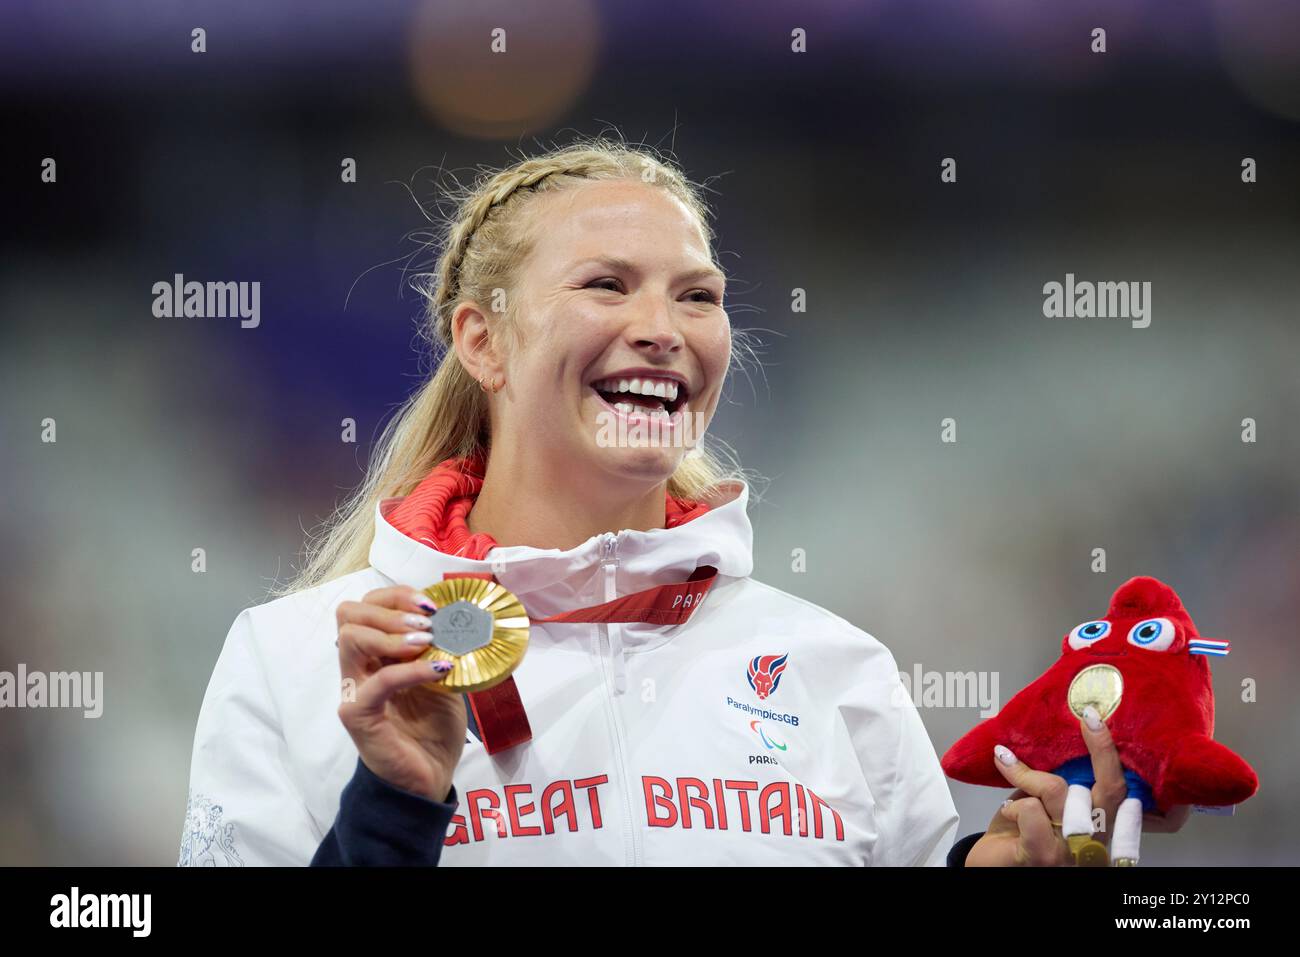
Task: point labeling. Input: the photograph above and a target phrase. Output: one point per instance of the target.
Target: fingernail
(418, 622)
(424, 602)
(1005, 755)
(442, 667)
(1092, 718)
(418, 638)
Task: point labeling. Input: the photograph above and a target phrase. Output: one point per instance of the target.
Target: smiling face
(623, 343)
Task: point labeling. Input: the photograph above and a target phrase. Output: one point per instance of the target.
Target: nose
(653, 329)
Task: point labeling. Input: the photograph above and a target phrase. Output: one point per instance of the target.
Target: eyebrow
(622, 265)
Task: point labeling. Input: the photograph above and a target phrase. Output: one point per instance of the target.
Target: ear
(476, 347)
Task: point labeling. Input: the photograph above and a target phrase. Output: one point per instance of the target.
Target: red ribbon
(499, 712)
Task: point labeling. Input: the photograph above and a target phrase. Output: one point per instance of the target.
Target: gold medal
(1088, 851)
(481, 628)
(1098, 685)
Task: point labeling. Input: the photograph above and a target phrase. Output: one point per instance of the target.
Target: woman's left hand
(1026, 828)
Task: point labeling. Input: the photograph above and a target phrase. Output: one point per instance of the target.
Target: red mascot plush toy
(1144, 668)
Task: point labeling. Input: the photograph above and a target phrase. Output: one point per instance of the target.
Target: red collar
(436, 511)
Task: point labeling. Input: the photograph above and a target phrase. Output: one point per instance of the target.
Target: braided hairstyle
(486, 240)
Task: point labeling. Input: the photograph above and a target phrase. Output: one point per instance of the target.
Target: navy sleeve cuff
(957, 855)
(380, 825)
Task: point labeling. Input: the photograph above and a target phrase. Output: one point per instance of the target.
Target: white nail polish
(1005, 755)
(419, 638)
(418, 622)
(1092, 718)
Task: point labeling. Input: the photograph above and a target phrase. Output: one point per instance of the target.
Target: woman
(580, 305)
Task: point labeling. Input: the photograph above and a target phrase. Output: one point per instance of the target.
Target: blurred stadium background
(924, 301)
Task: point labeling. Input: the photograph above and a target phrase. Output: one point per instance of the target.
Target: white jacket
(650, 747)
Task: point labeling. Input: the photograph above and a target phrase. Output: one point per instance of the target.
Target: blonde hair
(486, 241)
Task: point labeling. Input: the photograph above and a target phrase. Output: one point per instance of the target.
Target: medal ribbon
(499, 712)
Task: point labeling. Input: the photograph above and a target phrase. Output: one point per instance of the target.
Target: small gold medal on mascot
(1101, 686)
(481, 628)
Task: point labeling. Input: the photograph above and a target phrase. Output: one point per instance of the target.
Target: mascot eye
(1081, 636)
(1154, 634)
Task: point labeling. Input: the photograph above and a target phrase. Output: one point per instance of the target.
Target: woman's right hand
(407, 733)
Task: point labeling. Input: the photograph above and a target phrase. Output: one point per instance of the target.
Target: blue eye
(1154, 634)
(1081, 636)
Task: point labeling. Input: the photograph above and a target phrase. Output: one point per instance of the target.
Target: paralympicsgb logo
(765, 674)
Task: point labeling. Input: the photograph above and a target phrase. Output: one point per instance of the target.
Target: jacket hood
(421, 536)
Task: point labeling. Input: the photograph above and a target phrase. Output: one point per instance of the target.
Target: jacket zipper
(609, 564)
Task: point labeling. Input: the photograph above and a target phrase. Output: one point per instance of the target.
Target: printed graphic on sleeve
(205, 840)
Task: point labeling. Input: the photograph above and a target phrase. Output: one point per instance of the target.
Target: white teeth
(658, 388)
